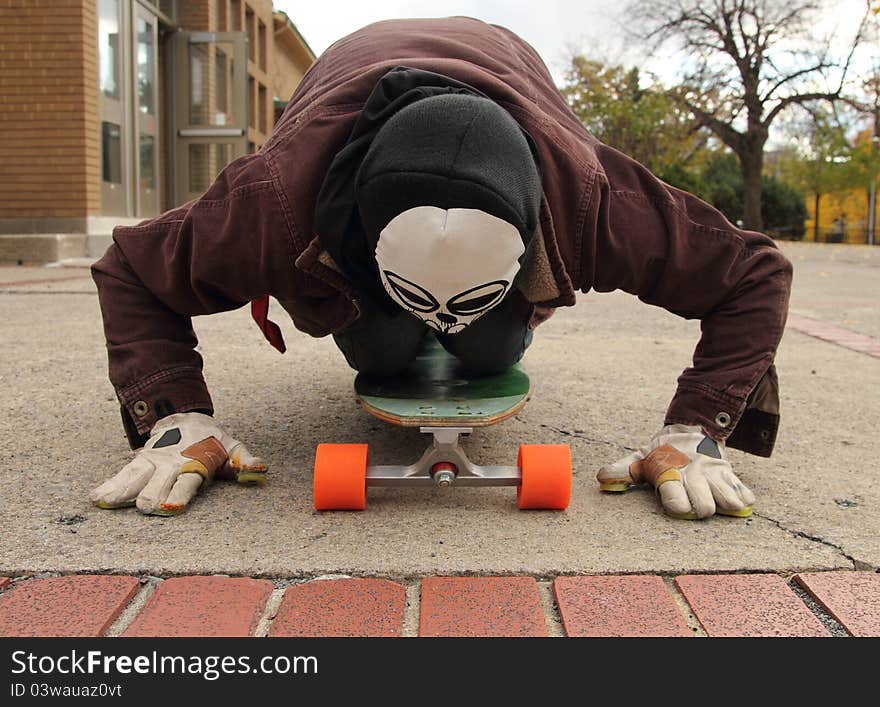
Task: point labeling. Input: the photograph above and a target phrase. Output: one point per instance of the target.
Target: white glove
(689, 470)
(185, 451)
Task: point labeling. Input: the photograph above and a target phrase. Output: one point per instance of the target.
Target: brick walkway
(834, 334)
(836, 603)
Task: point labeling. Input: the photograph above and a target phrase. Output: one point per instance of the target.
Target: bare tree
(745, 62)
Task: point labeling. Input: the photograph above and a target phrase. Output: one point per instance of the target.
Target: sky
(553, 27)
(551, 30)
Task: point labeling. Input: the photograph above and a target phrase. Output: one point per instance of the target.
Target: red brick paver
(203, 606)
(84, 605)
(622, 605)
(835, 334)
(748, 605)
(618, 606)
(853, 598)
(481, 606)
(341, 607)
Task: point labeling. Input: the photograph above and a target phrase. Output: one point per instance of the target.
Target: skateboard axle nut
(444, 473)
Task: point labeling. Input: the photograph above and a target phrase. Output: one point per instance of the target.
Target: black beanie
(510, 169)
(452, 151)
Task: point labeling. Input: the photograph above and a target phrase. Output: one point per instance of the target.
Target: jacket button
(722, 419)
(141, 408)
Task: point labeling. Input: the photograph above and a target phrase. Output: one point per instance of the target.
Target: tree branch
(728, 135)
(790, 77)
(798, 98)
(856, 41)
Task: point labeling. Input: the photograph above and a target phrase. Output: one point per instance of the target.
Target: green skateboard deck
(434, 392)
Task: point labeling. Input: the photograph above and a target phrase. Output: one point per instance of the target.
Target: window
(251, 24)
(221, 83)
(145, 67)
(261, 110)
(111, 153)
(205, 162)
(252, 102)
(261, 38)
(147, 161)
(108, 47)
(198, 89)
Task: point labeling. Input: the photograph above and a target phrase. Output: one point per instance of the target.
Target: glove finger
(664, 468)
(243, 466)
(122, 489)
(723, 483)
(725, 494)
(616, 476)
(675, 500)
(745, 493)
(186, 486)
(698, 490)
(155, 493)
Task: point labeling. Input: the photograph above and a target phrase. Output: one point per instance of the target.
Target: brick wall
(255, 18)
(197, 15)
(287, 67)
(49, 141)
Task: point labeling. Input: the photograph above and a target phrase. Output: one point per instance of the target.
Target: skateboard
(434, 395)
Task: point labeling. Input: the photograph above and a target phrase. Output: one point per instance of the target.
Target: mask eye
(478, 299)
(411, 294)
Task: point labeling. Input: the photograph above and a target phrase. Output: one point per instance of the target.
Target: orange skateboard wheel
(340, 482)
(546, 477)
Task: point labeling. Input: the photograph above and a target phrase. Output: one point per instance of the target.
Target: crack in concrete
(857, 564)
(581, 435)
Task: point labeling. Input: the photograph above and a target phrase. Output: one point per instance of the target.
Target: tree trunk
(816, 200)
(751, 167)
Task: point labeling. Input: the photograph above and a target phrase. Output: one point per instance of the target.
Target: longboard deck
(434, 392)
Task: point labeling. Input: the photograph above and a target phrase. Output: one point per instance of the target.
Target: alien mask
(448, 267)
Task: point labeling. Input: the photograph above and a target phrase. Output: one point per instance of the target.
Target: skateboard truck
(542, 476)
(443, 464)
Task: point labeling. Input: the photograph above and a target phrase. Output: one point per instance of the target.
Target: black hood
(423, 139)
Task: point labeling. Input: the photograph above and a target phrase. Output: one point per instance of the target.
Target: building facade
(113, 111)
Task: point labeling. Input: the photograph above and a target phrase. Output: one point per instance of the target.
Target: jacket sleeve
(675, 251)
(211, 255)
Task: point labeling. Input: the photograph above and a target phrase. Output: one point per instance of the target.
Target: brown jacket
(606, 223)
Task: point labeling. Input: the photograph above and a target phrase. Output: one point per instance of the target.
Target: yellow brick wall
(197, 15)
(285, 75)
(249, 16)
(49, 140)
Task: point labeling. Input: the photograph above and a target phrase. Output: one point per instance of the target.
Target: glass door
(211, 107)
(146, 109)
(115, 181)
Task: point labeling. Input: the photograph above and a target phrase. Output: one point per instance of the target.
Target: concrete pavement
(603, 373)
